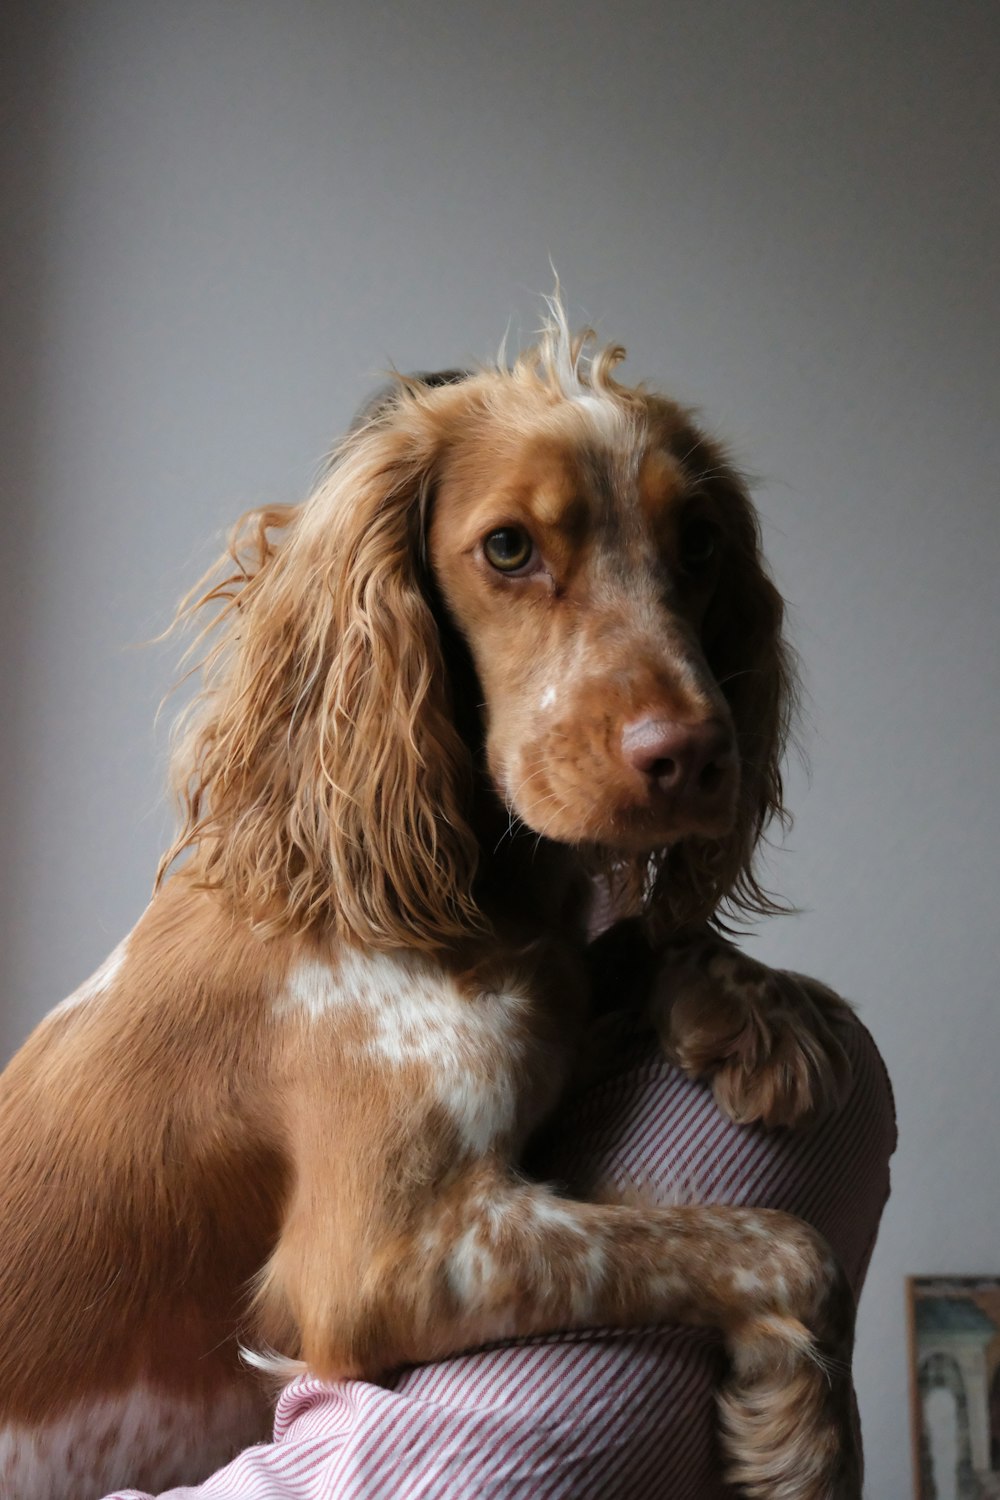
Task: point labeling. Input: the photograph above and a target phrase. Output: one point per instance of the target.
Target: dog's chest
(478, 1054)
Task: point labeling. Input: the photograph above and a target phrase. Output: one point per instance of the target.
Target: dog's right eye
(698, 544)
(508, 549)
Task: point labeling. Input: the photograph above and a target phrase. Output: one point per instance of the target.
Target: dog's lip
(633, 815)
(641, 828)
(633, 826)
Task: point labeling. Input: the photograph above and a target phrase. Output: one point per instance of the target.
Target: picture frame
(954, 1342)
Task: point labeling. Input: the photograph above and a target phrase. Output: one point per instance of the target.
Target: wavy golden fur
(321, 772)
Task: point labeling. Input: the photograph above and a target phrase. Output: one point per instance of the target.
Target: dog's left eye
(508, 549)
(698, 543)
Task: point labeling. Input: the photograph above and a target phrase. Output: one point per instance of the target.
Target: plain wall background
(228, 218)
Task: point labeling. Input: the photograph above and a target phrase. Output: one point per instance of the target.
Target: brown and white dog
(519, 640)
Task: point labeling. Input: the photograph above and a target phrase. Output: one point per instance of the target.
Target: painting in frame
(954, 1326)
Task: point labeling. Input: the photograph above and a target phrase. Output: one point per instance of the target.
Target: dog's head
(594, 559)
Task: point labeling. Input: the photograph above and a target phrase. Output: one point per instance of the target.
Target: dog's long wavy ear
(745, 648)
(320, 774)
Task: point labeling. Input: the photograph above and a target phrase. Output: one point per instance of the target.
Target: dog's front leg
(493, 1257)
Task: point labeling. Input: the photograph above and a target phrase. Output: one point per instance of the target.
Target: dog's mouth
(632, 828)
(659, 795)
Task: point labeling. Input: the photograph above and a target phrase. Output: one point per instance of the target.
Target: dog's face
(599, 559)
(580, 559)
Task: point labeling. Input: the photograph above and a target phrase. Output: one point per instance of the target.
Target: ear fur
(320, 774)
(753, 666)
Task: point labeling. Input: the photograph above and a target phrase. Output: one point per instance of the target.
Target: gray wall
(229, 218)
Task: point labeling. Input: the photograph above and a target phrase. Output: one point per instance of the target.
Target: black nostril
(710, 776)
(663, 770)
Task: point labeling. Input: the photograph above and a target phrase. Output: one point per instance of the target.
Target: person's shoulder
(871, 1091)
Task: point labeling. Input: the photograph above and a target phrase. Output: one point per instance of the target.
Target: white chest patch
(142, 1437)
(99, 982)
(468, 1048)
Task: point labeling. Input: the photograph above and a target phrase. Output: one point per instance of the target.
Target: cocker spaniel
(517, 647)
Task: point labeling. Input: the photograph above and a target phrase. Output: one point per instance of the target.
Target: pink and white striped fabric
(600, 1414)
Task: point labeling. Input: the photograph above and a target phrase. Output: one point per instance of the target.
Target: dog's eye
(508, 549)
(698, 543)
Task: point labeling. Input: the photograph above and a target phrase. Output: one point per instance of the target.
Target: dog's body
(528, 600)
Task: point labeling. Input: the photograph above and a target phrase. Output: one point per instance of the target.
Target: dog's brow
(566, 511)
(661, 480)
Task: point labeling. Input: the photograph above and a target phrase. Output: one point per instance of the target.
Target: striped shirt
(605, 1413)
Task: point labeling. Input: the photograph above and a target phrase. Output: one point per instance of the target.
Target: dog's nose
(684, 759)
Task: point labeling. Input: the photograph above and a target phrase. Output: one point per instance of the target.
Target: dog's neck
(527, 883)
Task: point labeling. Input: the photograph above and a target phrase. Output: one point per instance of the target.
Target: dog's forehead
(584, 470)
(622, 495)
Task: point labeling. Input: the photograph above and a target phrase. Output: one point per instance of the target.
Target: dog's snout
(693, 759)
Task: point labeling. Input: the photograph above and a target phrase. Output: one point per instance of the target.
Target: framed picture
(955, 1386)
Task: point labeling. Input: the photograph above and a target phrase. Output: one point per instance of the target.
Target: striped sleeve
(606, 1413)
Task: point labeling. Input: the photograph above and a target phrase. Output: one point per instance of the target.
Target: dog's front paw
(766, 1038)
(787, 1406)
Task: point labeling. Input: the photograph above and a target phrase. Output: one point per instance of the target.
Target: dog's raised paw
(765, 1038)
